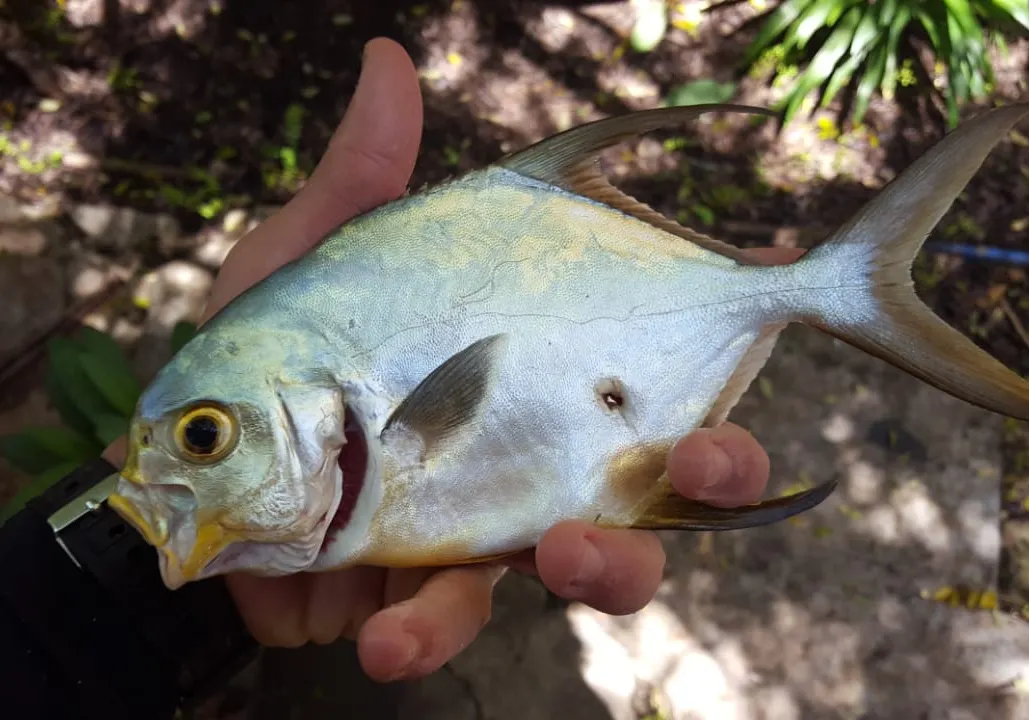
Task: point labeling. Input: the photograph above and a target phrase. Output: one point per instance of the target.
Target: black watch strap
(90, 609)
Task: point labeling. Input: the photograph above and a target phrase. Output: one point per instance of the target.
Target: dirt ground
(192, 108)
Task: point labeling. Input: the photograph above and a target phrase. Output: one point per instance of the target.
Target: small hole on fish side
(612, 400)
(611, 393)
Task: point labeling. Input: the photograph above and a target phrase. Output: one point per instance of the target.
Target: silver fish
(449, 375)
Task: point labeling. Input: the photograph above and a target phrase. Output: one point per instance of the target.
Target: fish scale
(516, 347)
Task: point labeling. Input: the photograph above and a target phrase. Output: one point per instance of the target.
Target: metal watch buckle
(78, 507)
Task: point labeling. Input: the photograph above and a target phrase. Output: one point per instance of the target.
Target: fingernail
(590, 568)
(410, 649)
(716, 474)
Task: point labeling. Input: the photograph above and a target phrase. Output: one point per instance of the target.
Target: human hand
(408, 623)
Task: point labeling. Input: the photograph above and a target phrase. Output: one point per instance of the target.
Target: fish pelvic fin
(672, 511)
(569, 160)
(874, 252)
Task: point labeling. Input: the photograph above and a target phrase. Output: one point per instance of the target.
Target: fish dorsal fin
(570, 160)
(450, 396)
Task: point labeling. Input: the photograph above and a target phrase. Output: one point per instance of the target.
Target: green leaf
(936, 21)
(824, 62)
(964, 23)
(813, 18)
(777, 21)
(63, 443)
(105, 364)
(1018, 10)
(35, 449)
(65, 406)
(35, 487)
(24, 452)
(865, 36)
(700, 92)
(706, 214)
(870, 81)
(889, 81)
(181, 334)
(121, 390)
(65, 360)
(111, 427)
(292, 123)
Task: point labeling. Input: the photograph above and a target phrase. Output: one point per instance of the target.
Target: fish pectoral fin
(451, 396)
(672, 511)
(569, 160)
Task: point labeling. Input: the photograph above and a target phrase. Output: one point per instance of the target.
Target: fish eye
(206, 434)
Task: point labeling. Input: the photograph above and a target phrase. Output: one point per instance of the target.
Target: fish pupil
(202, 434)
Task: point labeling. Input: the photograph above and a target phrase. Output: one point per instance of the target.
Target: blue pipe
(981, 252)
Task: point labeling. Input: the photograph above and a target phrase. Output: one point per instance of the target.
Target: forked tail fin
(874, 251)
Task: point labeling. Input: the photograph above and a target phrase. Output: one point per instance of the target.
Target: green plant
(858, 44)
(91, 385)
(701, 91)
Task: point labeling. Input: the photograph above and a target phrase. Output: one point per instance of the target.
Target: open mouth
(353, 461)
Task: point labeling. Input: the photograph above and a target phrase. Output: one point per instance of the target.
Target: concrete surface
(820, 617)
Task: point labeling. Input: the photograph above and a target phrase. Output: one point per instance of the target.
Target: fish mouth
(353, 463)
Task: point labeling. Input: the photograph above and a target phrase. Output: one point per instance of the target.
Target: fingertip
(723, 466)
(386, 649)
(614, 571)
(418, 636)
(697, 463)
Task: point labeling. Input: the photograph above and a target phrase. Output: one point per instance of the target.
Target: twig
(1019, 327)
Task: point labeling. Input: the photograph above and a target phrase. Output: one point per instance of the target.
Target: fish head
(232, 465)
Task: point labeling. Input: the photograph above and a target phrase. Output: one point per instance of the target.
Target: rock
(83, 13)
(33, 293)
(25, 239)
(117, 228)
(88, 281)
(173, 292)
(11, 210)
(215, 247)
(79, 160)
(234, 221)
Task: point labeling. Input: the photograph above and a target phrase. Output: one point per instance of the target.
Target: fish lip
(126, 501)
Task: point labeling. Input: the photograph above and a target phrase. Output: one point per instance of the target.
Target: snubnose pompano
(449, 375)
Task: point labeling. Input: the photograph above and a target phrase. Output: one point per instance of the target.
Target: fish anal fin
(671, 511)
(753, 361)
(451, 396)
(569, 160)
